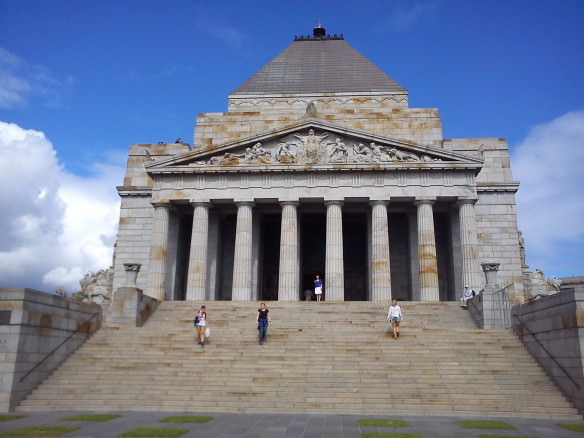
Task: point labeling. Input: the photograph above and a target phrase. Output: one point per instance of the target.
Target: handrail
(576, 384)
(503, 310)
(56, 348)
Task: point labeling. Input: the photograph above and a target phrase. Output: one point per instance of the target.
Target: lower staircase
(320, 358)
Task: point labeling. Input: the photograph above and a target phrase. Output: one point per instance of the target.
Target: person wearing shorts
(394, 316)
(318, 286)
(200, 324)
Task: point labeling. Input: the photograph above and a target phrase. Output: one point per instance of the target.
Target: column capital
(201, 202)
(384, 202)
(420, 200)
(244, 203)
(163, 203)
(467, 200)
(294, 203)
(328, 202)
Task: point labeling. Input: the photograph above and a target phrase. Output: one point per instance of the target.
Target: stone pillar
(243, 254)
(429, 290)
(197, 276)
(471, 274)
(380, 260)
(132, 270)
(288, 279)
(157, 266)
(334, 281)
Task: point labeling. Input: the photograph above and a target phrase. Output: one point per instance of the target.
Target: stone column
(243, 254)
(380, 261)
(334, 281)
(197, 276)
(158, 248)
(471, 274)
(288, 279)
(429, 290)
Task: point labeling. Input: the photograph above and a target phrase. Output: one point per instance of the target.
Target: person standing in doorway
(200, 324)
(318, 287)
(263, 319)
(394, 316)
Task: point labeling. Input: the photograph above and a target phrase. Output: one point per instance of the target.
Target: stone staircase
(320, 358)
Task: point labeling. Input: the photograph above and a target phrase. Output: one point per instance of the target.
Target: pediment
(313, 143)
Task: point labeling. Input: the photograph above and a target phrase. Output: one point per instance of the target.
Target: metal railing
(501, 306)
(53, 351)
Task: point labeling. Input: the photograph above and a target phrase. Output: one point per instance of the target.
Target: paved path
(285, 426)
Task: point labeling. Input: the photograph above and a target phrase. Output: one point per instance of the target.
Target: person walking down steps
(263, 319)
(201, 324)
(394, 316)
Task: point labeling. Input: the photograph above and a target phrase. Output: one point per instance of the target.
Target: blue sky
(80, 81)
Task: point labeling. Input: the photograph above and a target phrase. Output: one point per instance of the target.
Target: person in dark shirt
(263, 319)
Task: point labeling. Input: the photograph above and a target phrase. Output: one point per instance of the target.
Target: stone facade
(352, 185)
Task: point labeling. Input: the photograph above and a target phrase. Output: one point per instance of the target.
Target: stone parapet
(552, 329)
(130, 308)
(38, 331)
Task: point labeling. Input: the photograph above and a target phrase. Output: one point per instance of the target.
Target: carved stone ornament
(132, 270)
(311, 147)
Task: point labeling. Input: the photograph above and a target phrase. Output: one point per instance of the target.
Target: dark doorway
(355, 256)
(313, 251)
(182, 256)
(443, 231)
(270, 257)
(399, 253)
(226, 251)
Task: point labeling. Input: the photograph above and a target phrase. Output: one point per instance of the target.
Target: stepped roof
(318, 64)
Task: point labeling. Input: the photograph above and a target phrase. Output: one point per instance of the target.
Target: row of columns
(289, 275)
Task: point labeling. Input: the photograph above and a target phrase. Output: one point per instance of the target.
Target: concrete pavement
(285, 425)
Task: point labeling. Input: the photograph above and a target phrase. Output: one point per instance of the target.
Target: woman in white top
(200, 324)
(394, 316)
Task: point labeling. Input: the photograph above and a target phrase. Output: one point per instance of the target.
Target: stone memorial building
(319, 166)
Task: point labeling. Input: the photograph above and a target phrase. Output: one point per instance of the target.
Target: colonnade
(289, 270)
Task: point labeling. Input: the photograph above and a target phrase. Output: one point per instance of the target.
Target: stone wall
(552, 329)
(32, 325)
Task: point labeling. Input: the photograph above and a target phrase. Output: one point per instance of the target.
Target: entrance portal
(313, 251)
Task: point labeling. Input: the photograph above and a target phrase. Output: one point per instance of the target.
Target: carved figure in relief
(398, 155)
(285, 153)
(379, 156)
(554, 282)
(339, 151)
(312, 145)
(362, 154)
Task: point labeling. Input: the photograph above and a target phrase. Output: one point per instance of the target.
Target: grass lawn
(507, 436)
(186, 419)
(11, 417)
(574, 427)
(91, 417)
(40, 431)
(390, 435)
(471, 424)
(163, 432)
(381, 422)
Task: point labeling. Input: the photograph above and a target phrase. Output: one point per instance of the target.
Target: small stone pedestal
(130, 307)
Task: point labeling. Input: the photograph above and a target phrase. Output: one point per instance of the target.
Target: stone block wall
(420, 125)
(33, 324)
(552, 329)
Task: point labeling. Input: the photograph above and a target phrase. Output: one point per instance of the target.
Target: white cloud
(548, 163)
(20, 80)
(55, 226)
(405, 15)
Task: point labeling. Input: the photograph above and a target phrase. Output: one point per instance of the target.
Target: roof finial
(319, 31)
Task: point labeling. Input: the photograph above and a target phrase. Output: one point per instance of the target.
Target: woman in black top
(263, 319)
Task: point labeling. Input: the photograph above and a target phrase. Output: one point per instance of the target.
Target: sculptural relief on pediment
(314, 148)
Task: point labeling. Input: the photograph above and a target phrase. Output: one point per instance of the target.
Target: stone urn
(132, 270)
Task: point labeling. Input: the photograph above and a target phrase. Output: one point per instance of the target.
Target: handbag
(196, 320)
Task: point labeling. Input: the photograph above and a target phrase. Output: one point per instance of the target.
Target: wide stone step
(344, 361)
